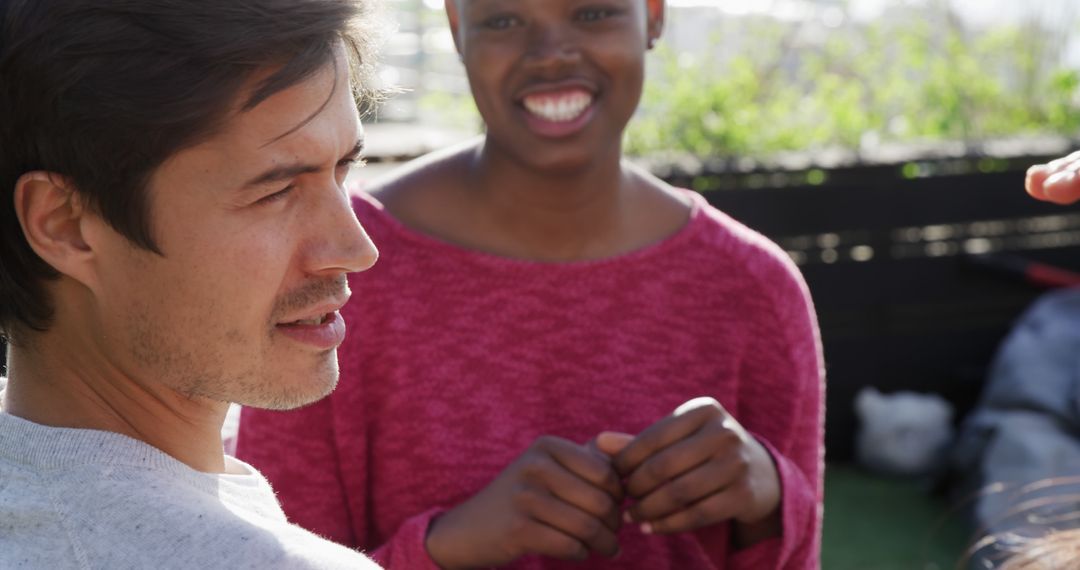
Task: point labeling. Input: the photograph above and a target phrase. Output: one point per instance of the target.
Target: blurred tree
(921, 76)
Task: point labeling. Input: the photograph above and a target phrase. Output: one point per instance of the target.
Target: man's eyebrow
(288, 171)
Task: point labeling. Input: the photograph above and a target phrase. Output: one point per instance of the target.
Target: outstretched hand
(696, 468)
(557, 499)
(1057, 181)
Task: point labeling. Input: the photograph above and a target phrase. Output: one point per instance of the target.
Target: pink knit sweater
(456, 360)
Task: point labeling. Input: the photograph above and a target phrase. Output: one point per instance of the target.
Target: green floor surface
(875, 523)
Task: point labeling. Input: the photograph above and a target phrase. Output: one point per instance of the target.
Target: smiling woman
(527, 356)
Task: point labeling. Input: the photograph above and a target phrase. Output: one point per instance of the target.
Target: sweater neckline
(687, 232)
(50, 447)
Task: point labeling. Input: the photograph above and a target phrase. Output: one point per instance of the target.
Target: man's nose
(344, 246)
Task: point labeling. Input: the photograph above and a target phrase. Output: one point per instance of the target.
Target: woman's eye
(500, 22)
(595, 14)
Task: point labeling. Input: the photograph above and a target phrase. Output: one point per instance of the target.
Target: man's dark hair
(102, 92)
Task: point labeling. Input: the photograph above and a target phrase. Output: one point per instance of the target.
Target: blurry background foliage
(765, 84)
(893, 81)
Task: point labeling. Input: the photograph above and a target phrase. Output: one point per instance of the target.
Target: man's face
(242, 305)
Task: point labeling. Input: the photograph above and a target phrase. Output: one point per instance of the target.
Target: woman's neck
(552, 215)
(474, 198)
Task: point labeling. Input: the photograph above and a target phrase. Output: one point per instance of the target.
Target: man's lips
(320, 327)
(327, 334)
(314, 321)
(316, 315)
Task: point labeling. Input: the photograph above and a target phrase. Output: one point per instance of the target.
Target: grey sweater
(87, 499)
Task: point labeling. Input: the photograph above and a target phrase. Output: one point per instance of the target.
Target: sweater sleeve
(781, 403)
(406, 550)
(295, 451)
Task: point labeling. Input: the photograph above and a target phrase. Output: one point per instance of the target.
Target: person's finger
(537, 537)
(1057, 181)
(611, 443)
(584, 465)
(711, 510)
(1062, 187)
(686, 490)
(1059, 164)
(686, 420)
(584, 497)
(1035, 180)
(709, 442)
(704, 402)
(570, 521)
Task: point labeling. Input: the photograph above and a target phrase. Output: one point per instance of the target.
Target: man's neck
(75, 388)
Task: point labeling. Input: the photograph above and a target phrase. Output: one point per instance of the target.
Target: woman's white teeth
(559, 109)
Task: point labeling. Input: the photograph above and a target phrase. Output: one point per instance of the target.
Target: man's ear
(52, 215)
(454, 17)
(655, 27)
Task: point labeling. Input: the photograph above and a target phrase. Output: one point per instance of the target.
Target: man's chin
(295, 391)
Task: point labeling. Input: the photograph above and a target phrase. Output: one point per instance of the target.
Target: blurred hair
(102, 92)
(1055, 551)
(1040, 529)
